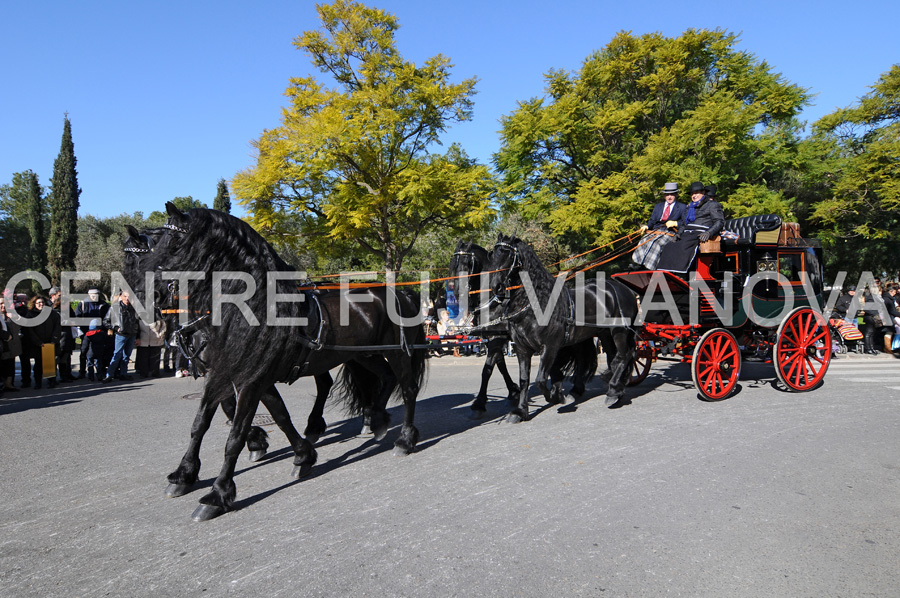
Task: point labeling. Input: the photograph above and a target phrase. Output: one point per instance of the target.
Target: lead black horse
(263, 329)
(467, 263)
(546, 316)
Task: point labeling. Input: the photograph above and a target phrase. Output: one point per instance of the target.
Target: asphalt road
(769, 493)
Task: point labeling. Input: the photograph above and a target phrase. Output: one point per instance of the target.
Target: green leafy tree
(352, 162)
(23, 217)
(102, 242)
(182, 203)
(62, 243)
(859, 178)
(222, 202)
(590, 157)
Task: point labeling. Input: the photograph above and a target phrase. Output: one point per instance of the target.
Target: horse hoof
(301, 471)
(514, 418)
(477, 414)
(366, 431)
(257, 455)
(577, 391)
(176, 490)
(380, 433)
(207, 512)
(400, 451)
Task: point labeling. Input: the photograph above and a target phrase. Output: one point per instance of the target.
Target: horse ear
(499, 237)
(133, 232)
(173, 211)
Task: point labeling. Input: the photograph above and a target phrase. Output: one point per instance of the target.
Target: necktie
(666, 212)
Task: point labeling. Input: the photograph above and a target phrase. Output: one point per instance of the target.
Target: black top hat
(711, 190)
(696, 187)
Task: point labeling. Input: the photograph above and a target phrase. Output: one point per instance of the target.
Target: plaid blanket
(650, 248)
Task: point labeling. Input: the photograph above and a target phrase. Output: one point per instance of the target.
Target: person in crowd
(664, 218)
(10, 348)
(703, 219)
(870, 321)
(839, 314)
(97, 349)
(27, 354)
(892, 326)
(47, 332)
(123, 325)
(65, 345)
(92, 308)
(149, 347)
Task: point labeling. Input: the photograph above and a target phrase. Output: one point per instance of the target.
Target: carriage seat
(747, 227)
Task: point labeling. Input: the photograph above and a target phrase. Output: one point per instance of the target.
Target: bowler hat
(670, 189)
(697, 187)
(711, 190)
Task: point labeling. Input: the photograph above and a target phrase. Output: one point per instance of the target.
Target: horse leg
(511, 387)
(519, 412)
(479, 405)
(409, 370)
(257, 440)
(315, 424)
(187, 472)
(554, 393)
(304, 453)
(621, 366)
(542, 378)
(376, 419)
(220, 499)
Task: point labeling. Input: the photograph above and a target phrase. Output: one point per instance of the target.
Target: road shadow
(62, 394)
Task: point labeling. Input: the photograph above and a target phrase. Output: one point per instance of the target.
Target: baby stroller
(844, 337)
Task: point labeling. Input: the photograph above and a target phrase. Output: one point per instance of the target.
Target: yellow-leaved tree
(351, 163)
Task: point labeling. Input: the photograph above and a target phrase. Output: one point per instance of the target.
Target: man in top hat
(704, 216)
(703, 219)
(666, 213)
(665, 216)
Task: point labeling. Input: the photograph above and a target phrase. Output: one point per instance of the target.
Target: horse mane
(541, 279)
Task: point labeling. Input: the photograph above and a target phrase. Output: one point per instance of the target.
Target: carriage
(753, 292)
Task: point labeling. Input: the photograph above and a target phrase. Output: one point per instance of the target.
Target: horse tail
(578, 360)
(357, 388)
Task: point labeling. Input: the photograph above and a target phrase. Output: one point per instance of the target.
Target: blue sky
(166, 97)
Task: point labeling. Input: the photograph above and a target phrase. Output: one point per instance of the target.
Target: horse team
(253, 344)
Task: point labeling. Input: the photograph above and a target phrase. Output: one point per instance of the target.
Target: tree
(591, 156)
(24, 210)
(182, 203)
(222, 202)
(62, 243)
(351, 163)
(859, 174)
(102, 242)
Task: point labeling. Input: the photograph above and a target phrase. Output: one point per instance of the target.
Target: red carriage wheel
(716, 364)
(643, 359)
(802, 349)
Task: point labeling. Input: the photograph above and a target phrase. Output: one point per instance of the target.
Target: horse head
(505, 264)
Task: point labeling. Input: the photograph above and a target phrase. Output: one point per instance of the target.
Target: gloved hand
(643, 229)
(671, 223)
(704, 236)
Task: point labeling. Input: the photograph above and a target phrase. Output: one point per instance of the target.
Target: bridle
(514, 266)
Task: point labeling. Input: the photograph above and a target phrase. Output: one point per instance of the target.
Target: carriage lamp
(767, 264)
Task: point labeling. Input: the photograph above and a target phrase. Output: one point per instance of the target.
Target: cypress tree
(223, 199)
(34, 221)
(62, 244)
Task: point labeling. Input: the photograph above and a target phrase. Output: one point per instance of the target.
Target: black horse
(255, 341)
(567, 318)
(191, 341)
(469, 260)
